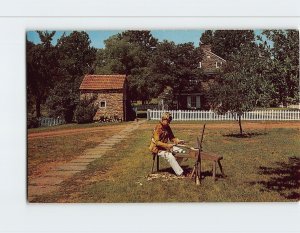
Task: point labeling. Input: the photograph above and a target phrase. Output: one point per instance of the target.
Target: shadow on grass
(284, 179)
(244, 135)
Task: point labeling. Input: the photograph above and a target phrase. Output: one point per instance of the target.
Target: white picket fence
(47, 121)
(192, 115)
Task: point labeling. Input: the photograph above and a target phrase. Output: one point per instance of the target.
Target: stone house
(111, 95)
(211, 66)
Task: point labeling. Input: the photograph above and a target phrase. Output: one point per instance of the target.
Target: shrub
(85, 110)
(32, 122)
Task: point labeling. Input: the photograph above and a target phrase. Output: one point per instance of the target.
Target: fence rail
(192, 115)
(47, 121)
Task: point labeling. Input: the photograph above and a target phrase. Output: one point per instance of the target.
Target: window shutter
(189, 102)
(198, 105)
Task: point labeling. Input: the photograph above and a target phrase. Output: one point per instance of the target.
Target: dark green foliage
(32, 122)
(206, 37)
(86, 110)
(129, 53)
(63, 99)
(76, 58)
(141, 84)
(285, 65)
(244, 85)
(175, 65)
(142, 38)
(41, 68)
(225, 43)
(228, 42)
(150, 66)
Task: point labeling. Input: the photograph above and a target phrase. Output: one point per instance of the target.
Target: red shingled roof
(102, 82)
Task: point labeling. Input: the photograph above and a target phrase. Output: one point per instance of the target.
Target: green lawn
(72, 126)
(64, 146)
(262, 167)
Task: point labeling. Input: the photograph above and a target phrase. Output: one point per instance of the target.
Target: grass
(262, 167)
(73, 126)
(58, 148)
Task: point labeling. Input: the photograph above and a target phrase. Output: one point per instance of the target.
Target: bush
(32, 122)
(85, 111)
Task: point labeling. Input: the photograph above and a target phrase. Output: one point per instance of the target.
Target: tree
(207, 37)
(285, 64)
(175, 66)
(41, 69)
(225, 43)
(141, 84)
(121, 56)
(244, 84)
(141, 37)
(76, 58)
(129, 53)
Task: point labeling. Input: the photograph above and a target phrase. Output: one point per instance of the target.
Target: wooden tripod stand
(197, 167)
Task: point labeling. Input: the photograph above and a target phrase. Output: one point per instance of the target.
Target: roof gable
(103, 82)
(214, 55)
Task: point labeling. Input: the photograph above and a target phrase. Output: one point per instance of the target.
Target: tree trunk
(240, 124)
(37, 107)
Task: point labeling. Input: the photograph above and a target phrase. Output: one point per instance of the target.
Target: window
(193, 81)
(200, 65)
(193, 101)
(102, 104)
(218, 64)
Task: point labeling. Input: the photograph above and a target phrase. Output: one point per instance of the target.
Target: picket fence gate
(194, 115)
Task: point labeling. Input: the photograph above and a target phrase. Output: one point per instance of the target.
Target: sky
(98, 37)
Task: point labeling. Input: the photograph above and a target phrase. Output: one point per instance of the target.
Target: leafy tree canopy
(244, 85)
(285, 64)
(42, 68)
(226, 43)
(76, 58)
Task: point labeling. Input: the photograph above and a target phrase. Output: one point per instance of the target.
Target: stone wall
(114, 103)
(208, 63)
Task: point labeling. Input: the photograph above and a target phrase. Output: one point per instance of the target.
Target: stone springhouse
(111, 95)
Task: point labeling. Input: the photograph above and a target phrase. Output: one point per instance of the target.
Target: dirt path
(50, 181)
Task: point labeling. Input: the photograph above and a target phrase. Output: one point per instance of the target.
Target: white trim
(198, 102)
(101, 101)
(194, 103)
(188, 101)
(216, 55)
